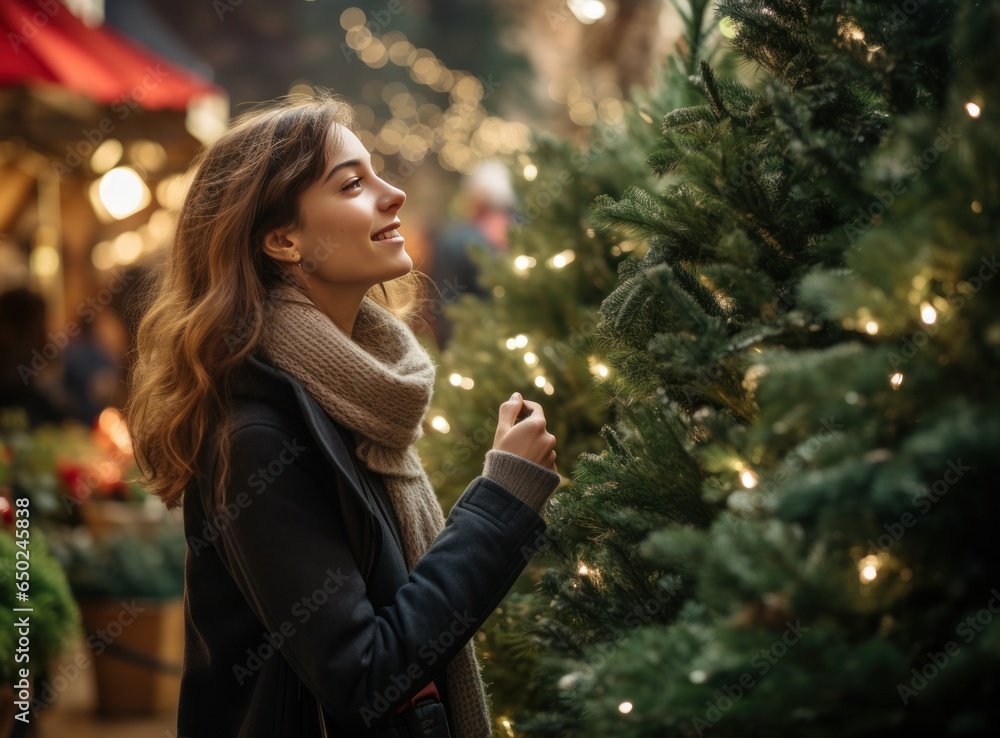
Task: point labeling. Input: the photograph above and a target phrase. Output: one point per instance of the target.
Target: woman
(277, 397)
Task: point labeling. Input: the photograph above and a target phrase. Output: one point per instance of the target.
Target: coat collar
(260, 379)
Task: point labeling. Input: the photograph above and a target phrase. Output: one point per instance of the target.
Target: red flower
(6, 509)
(70, 476)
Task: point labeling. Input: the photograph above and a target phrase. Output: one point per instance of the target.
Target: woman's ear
(279, 246)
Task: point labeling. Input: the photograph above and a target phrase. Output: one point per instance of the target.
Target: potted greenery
(122, 556)
(54, 619)
(129, 587)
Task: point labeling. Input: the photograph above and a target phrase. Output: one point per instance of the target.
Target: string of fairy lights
(462, 133)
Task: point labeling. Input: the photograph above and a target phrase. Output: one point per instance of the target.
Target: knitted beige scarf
(379, 385)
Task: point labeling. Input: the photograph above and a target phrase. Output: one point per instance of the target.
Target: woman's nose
(394, 197)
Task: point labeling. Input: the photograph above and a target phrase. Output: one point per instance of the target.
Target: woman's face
(340, 214)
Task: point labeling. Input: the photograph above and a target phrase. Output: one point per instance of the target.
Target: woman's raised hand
(521, 431)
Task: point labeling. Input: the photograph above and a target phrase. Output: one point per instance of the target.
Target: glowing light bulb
(587, 11)
(562, 259)
(122, 192)
(530, 172)
(625, 708)
(455, 379)
(927, 313)
(972, 109)
(896, 379)
(523, 263)
(467, 383)
(872, 327)
(512, 343)
(598, 368)
(530, 359)
(540, 381)
(583, 569)
(521, 340)
(698, 676)
(439, 424)
(868, 568)
(748, 478)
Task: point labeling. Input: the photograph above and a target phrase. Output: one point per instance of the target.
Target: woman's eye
(354, 182)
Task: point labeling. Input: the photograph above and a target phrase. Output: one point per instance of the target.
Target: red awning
(45, 44)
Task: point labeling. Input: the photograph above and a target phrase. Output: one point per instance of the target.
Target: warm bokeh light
(122, 192)
(927, 313)
(112, 424)
(126, 247)
(562, 259)
(868, 568)
(150, 155)
(44, 261)
(106, 155)
(524, 263)
(588, 11)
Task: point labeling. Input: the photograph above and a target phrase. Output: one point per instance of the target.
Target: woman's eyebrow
(342, 165)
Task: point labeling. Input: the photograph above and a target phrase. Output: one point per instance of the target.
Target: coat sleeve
(286, 549)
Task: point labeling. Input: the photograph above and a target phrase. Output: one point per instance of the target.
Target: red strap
(430, 690)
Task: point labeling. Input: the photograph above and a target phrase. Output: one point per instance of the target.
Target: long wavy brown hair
(206, 312)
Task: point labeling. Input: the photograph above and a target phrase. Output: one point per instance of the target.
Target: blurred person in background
(92, 364)
(488, 201)
(30, 363)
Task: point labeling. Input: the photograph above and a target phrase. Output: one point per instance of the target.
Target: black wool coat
(297, 592)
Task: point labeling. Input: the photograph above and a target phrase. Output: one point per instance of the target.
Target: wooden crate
(138, 672)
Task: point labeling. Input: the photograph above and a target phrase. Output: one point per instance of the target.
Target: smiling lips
(387, 235)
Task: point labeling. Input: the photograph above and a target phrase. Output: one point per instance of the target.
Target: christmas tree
(788, 526)
(535, 334)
